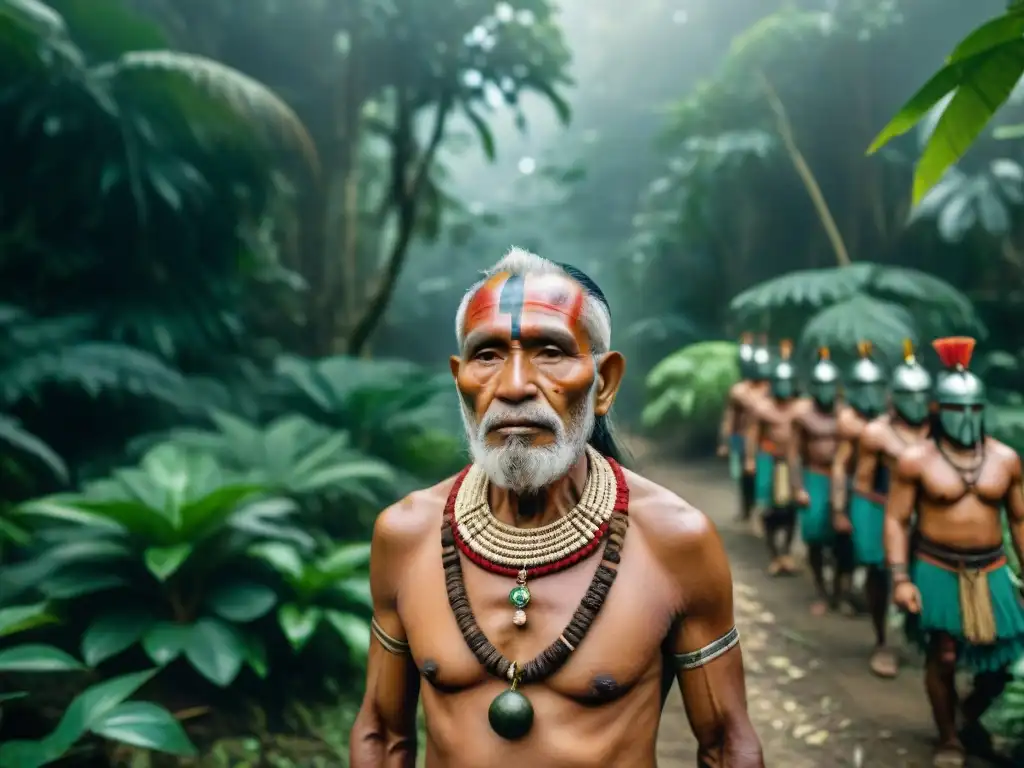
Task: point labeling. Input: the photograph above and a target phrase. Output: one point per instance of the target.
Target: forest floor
(811, 697)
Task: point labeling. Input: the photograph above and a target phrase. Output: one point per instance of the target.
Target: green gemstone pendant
(519, 596)
(511, 713)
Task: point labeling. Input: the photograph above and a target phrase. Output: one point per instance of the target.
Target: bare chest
(946, 485)
(621, 648)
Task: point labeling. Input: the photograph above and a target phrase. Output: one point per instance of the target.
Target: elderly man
(541, 602)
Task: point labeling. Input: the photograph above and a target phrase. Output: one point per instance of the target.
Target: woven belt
(953, 559)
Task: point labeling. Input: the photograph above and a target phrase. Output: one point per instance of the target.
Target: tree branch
(405, 191)
(805, 173)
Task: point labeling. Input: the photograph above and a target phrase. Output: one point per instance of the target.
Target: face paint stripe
(510, 302)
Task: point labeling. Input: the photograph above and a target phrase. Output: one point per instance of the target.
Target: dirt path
(812, 699)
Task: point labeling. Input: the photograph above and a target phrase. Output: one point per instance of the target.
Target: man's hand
(802, 498)
(841, 523)
(750, 466)
(723, 450)
(907, 596)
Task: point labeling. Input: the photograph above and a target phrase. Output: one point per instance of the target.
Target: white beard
(517, 465)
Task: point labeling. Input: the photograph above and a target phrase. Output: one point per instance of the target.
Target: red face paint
(509, 301)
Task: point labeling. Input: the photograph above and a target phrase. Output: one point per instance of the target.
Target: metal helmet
(746, 355)
(761, 362)
(824, 382)
(783, 378)
(911, 387)
(865, 388)
(959, 393)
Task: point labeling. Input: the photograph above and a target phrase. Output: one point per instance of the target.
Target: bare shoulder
(405, 522)
(848, 424)
(875, 433)
(681, 537)
(739, 392)
(1001, 451)
(915, 458)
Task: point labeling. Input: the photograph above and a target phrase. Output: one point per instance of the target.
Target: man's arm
(728, 420)
(867, 460)
(795, 454)
(840, 465)
(752, 440)
(899, 508)
(706, 650)
(1014, 504)
(384, 732)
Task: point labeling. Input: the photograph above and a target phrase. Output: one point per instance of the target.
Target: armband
(389, 643)
(899, 574)
(707, 654)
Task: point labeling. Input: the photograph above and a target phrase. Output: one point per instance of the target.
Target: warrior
(865, 400)
(958, 587)
(881, 443)
(811, 448)
(754, 366)
(486, 587)
(767, 440)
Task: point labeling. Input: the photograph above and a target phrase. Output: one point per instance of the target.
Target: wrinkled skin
(956, 515)
(602, 709)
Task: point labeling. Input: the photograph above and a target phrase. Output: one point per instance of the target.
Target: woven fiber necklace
(531, 553)
(511, 714)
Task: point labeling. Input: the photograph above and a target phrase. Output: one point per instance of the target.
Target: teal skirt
(868, 520)
(763, 479)
(816, 517)
(940, 612)
(736, 451)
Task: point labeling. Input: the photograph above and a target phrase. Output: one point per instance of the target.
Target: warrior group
(892, 474)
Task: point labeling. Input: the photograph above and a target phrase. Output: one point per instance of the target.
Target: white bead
(519, 618)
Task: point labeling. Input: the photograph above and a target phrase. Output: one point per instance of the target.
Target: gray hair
(595, 317)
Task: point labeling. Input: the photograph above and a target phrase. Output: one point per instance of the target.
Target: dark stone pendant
(511, 715)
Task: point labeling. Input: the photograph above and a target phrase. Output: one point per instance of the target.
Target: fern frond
(24, 442)
(810, 288)
(843, 325)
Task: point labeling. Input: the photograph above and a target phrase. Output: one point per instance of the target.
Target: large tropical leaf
(961, 202)
(845, 324)
(981, 74)
(221, 104)
(810, 288)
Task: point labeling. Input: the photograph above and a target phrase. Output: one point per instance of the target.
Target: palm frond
(915, 288)
(24, 442)
(810, 288)
(845, 324)
(34, 38)
(220, 103)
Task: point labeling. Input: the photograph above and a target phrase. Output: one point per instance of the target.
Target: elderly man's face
(527, 378)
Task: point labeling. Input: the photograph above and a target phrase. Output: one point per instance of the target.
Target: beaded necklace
(511, 714)
(532, 553)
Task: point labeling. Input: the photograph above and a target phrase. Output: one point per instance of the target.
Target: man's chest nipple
(606, 665)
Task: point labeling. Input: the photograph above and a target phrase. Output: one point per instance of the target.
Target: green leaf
(256, 654)
(37, 658)
(241, 601)
(12, 696)
(483, 131)
(114, 633)
(91, 707)
(145, 725)
(164, 562)
(985, 83)
(19, 618)
(75, 582)
(299, 624)
(943, 82)
(166, 641)
(216, 651)
(344, 560)
(354, 630)
(23, 754)
(283, 558)
(1003, 29)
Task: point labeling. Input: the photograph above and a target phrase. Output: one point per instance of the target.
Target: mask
(868, 399)
(912, 407)
(963, 426)
(783, 388)
(824, 394)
